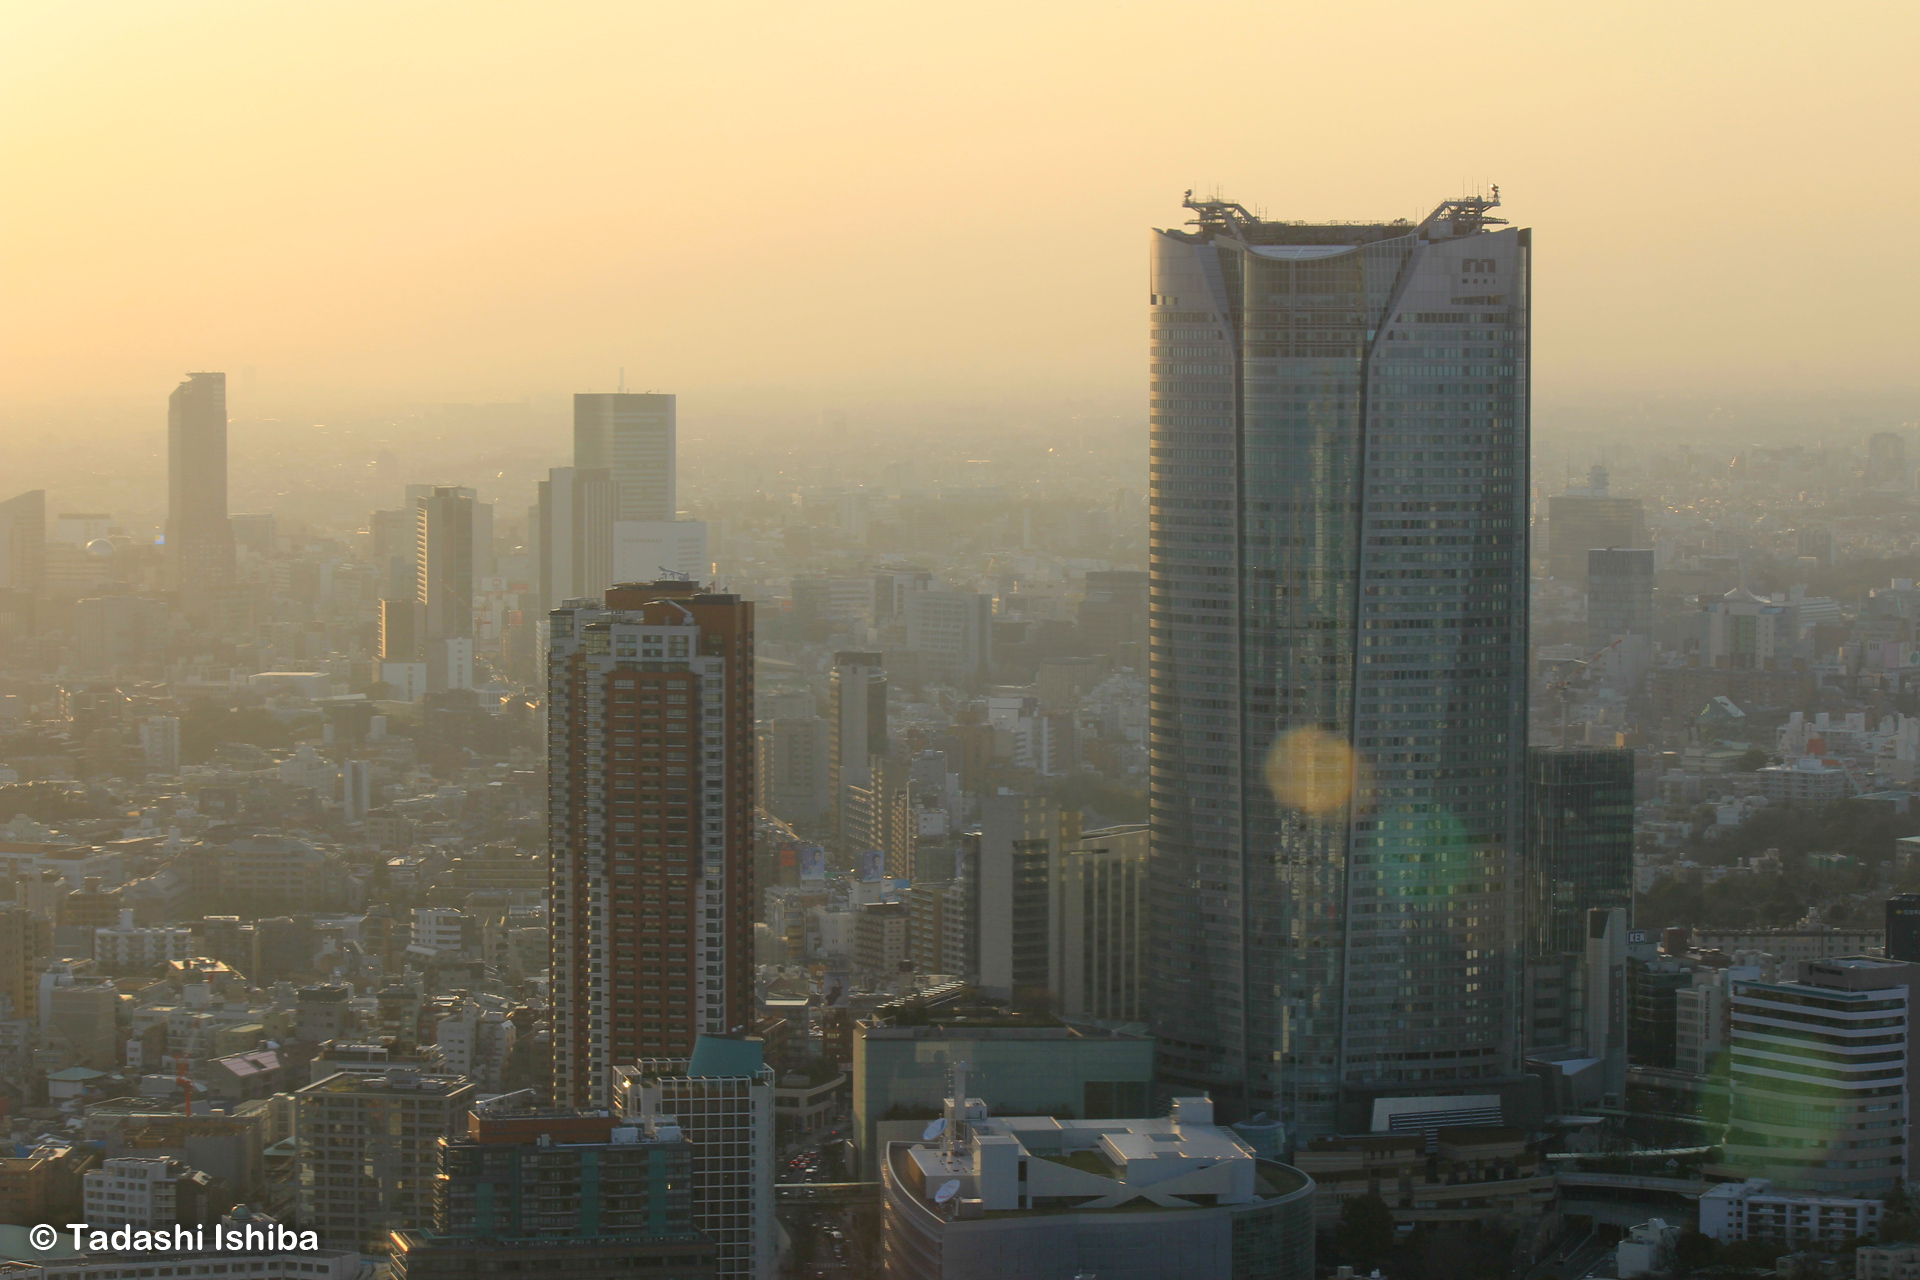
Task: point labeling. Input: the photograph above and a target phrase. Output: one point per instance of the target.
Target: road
(827, 1243)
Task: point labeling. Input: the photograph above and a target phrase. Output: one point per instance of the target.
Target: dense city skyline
(616, 659)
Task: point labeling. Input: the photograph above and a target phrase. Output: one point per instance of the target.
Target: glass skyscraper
(1338, 656)
(1579, 842)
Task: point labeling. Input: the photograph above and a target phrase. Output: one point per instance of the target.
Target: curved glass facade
(1338, 655)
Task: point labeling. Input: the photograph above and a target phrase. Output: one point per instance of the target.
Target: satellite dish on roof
(934, 1130)
(947, 1191)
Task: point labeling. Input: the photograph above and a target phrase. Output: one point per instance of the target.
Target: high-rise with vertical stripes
(650, 828)
(1338, 651)
(632, 436)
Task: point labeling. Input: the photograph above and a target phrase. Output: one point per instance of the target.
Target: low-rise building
(560, 1192)
(1021, 1066)
(800, 1107)
(1646, 1249)
(1792, 946)
(1887, 1262)
(129, 948)
(368, 1152)
(138, 1191)
(1807, 780)
(1472, 1172)
(323, 1264)
(238, 1077)
(1178, 1198)
(1753, 1210)
(477, 1043)
(45, 1184)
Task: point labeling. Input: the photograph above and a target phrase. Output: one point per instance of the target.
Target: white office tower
(160, 743)
(632, 438)
(135, 1191)
(1817, 1082)
(356, 790)
(722, 1099)
(644, 550)
(573, 535)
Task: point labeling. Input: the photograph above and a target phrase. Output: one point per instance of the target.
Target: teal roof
(80, 1074)
(726, 1056)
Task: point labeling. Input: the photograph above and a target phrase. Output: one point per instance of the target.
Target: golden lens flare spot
(1314, 771)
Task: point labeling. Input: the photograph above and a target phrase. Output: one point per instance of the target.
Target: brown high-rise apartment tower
(650, 823)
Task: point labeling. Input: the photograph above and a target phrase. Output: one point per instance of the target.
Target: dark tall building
(650, 823)
(1113, 615)
(1020, 841)
(1338, 617)
(1619, 594)
(1653, 991)
(396, 541)
(1579, 852)
(1903, 928)
(1581, 519)
(403, 630)
(443, 532)
(199, 538)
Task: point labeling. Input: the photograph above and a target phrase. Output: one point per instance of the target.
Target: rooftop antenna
(1215, 212)
(623, 379)
(673, 575)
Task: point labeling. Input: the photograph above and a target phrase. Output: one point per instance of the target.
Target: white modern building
(1178, 1198)
(1646, 1250)
(952, 631)
(134, 1191)
(160, 743)
(1753, 1210)
(1887, 1262)
(407, 679)
(644, 550)
(722, 1099)
(127, 946)
(476, 1043)
(439, 928)
(1807, 780)
(1817, 1079)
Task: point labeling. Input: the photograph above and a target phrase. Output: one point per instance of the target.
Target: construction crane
(1562, 683)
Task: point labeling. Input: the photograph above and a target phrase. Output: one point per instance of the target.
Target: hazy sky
(837, 204)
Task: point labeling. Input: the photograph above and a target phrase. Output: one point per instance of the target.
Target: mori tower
(1338, 657)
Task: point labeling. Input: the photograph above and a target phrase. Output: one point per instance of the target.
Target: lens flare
(1314, 771)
